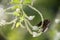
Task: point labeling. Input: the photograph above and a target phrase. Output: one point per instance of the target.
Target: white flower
(17, 10)
(35, 28)
(35, 34)
(31, 17)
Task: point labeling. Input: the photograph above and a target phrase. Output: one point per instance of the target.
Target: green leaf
(27, 1)
(19, 1)
(15, 1)
(17, 24)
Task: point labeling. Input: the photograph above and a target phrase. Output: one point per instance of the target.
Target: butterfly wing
(45, 25)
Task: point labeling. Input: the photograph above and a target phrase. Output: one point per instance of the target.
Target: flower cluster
(22, 19)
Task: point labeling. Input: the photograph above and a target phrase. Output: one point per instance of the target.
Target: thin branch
(22, 25)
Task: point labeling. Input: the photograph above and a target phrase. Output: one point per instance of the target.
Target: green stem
(28, 27)
(14, 23)
(38, 13)
(22, 25)
(29, 23)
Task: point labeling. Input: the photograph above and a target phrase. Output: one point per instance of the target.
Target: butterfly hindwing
(45, 25)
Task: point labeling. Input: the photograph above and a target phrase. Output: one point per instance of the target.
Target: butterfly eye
(45, 25)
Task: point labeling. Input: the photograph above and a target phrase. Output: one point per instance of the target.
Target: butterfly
(45, 26)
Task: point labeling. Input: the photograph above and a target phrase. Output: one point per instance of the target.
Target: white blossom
(31, 17)
(35, 34)
(35, 28)
(17, 10)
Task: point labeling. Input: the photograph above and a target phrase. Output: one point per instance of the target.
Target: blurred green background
(50, 10)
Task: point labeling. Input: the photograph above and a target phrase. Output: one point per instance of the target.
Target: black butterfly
(45, 24)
